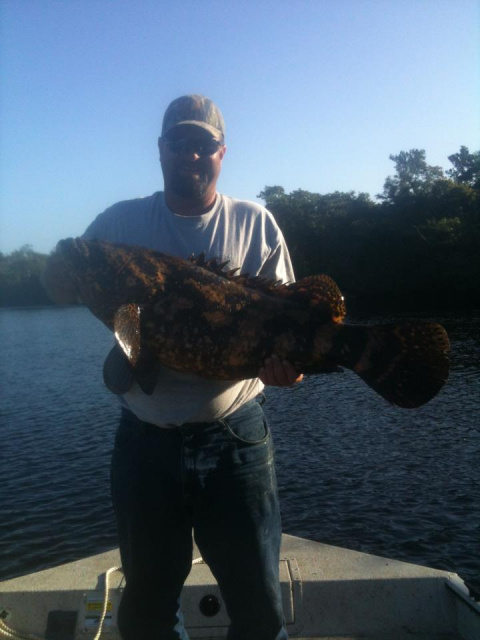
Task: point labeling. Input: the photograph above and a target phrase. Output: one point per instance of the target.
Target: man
(197, 454)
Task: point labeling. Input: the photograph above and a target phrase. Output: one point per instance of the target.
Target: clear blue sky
(316, 95)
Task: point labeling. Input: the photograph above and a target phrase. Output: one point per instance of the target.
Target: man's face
(189, 170)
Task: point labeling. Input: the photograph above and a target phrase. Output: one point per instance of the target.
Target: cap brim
(198, 123)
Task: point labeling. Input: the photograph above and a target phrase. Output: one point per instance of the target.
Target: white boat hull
(328, 592)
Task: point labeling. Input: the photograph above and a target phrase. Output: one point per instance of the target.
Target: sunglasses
(200, 147)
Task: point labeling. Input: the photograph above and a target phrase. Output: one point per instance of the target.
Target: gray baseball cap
(196, 110)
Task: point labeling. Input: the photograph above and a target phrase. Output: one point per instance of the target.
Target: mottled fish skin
(198, 318)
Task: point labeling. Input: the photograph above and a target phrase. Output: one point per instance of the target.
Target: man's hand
(278, 373)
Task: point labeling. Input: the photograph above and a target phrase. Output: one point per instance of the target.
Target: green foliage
(414, 177)
(416, 248)
(466, 167)
(20, 273)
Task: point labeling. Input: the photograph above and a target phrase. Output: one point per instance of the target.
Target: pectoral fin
(126, 328)
(117, 371)
(128, 333)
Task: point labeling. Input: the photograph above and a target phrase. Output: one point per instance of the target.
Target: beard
(193, 187)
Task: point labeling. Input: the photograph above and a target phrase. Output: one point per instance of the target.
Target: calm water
(352, 470)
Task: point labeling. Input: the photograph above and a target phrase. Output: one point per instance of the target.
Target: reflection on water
(352, 470)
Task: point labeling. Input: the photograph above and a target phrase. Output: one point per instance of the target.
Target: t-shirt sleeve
(278, 264)
(102, 228)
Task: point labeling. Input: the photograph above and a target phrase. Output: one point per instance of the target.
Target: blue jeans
(218, 479)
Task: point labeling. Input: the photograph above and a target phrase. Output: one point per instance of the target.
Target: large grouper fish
(197, 316)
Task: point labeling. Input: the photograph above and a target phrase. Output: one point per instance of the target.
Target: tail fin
(406, 363)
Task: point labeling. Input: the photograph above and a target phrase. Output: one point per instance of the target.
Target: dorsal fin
(212, 264)
(319, 292)
(261, 283)
(266, 285)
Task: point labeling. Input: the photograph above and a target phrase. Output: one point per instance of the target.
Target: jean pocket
(248, 424)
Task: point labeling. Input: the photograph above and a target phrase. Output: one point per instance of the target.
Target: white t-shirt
(245, 234)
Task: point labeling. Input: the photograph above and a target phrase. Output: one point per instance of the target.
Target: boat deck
(328, 593)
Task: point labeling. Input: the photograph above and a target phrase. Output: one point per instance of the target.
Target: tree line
(415, 247)
(20, 283)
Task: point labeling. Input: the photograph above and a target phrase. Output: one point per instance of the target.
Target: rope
(105, 600)
(12, 634)
(8, 632)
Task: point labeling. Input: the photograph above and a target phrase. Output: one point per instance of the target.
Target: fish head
(83, 254)
(106, 276)
(58, 277)
(95, 270)
(90, 265)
